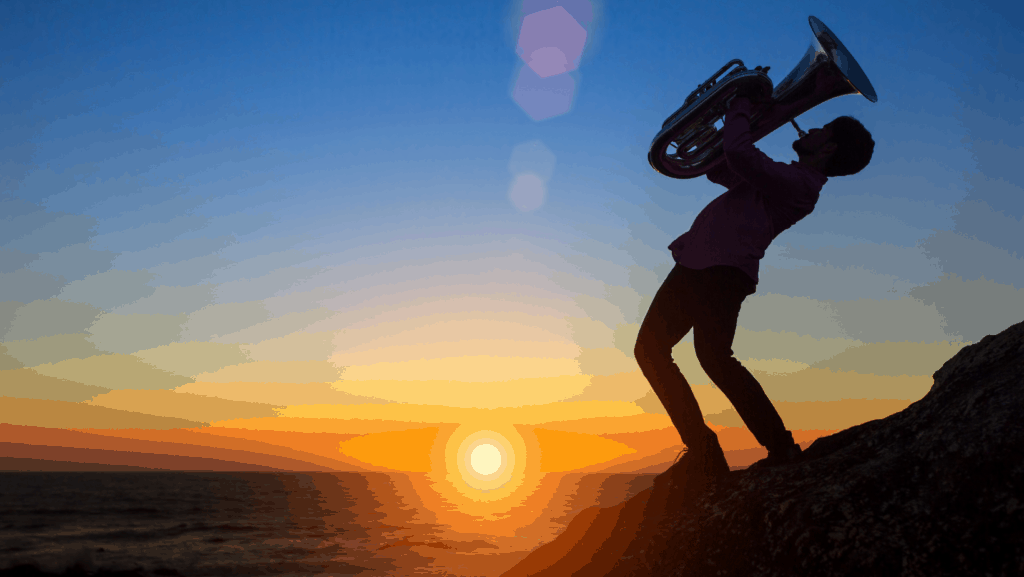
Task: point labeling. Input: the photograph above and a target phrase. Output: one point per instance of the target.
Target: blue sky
(168, 157)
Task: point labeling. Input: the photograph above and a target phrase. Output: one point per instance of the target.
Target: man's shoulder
(806, 173)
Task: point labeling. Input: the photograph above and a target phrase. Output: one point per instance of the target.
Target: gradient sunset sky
(308, 205)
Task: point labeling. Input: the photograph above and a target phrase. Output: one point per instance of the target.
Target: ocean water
(198, 523)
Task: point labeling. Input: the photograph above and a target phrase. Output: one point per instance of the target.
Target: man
(716, 268)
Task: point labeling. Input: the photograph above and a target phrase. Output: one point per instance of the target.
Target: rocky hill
(936, 489)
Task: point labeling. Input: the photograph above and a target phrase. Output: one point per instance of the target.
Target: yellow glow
(775, 366)
(399, 450)
(562, 451)
(480, 368)
(478, 486)
(526, 415)
(274, 371)
(424, 349)
(485, 459)
(454, 393)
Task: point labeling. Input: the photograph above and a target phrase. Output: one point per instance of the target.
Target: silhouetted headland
(935, 489)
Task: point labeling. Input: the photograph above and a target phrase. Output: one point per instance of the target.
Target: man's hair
(854, 147)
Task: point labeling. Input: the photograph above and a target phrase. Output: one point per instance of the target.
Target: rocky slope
(936, 489)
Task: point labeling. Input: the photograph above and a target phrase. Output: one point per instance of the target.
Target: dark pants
(708, 301)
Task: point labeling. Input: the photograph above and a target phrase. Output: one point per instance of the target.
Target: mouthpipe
(797, 127)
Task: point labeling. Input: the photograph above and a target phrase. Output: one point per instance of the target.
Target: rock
(936, 489)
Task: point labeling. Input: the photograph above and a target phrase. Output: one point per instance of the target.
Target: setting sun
(485, 459)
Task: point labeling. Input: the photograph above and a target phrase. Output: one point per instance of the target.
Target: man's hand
(750, 91)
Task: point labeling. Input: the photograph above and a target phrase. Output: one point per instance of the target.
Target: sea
(165, 523)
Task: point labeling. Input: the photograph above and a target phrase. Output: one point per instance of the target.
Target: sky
(314, 209)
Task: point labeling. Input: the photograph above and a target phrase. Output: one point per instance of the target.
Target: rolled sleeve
(744, 159)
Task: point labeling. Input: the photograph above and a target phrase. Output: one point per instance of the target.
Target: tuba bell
(690, 143)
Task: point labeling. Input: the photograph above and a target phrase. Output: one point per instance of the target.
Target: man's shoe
(705, 458)
(785, 456)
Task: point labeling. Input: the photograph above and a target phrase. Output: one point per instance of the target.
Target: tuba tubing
(689, 143)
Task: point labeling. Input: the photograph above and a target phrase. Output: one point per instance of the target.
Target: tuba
(690, 141)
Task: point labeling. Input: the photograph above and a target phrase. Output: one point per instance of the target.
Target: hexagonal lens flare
(551, 41)
(543, 98)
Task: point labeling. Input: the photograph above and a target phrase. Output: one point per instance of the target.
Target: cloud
(275, 372)
(977, 219)
(468, 333)
(911, 264)
(972, 259)
(150, 234)
(276, 327)
(27, 384)
(215, 320)
(829, 282)
(797, 314)
(907, 319)
(471, 369)
(893, 359)
(298, 346)
(605, 361)
(45, 231)
(193, 357)
(170, 300)
(589, 333)
(626, 386)
(69, 189)
(144, 209)
(65, 415)
(237, 224)
(973, 309)
(827, 385)
(275, 282)
(74, 262)
(187, 406)
(781, 344)
(126, 334)
(12, 260)
(171, 252)
(7, 312)
(51, 349)
(519, 389)
(110, 289)
(43, 318)
(279, 394)
(299, 301)
(260, 265)
(189, 272)
(112, 372)
(820, 415)
(601, 310)
(25, 285)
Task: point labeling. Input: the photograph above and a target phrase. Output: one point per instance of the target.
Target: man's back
(765, 197)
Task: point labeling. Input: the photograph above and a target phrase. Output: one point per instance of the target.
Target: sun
(485, 459)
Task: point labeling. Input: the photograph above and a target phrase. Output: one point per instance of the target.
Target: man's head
(840, 148)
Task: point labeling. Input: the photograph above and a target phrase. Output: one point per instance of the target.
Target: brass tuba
(690, 144)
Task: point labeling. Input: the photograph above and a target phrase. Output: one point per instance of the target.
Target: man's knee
(647, 349)
(713, 359)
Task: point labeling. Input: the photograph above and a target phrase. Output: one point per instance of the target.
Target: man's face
(811, 144)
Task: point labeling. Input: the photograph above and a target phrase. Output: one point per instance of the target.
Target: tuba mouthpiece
(797, 127)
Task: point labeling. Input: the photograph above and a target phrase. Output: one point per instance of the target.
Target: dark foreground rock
(937, 489)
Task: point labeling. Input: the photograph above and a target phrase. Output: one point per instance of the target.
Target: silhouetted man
(716, 268)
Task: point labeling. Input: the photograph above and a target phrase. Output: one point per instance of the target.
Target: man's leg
(723, 291)
(667, 322)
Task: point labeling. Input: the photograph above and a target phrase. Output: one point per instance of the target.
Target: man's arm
(721, 174)
(743, 158)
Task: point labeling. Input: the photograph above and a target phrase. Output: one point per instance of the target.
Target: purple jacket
(764, 198)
